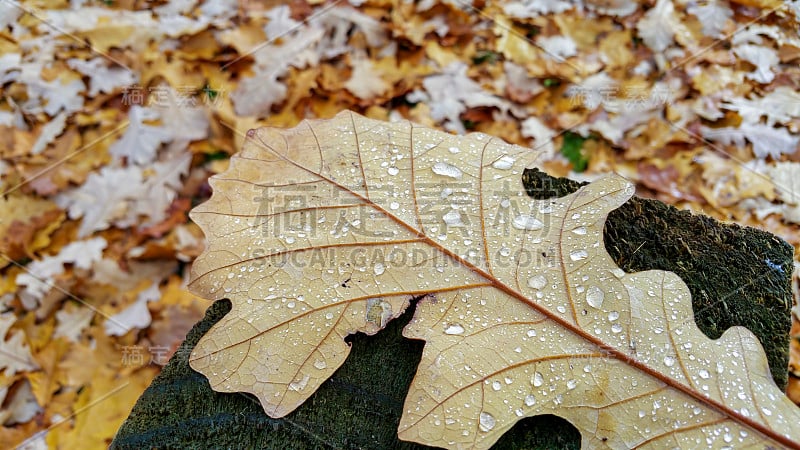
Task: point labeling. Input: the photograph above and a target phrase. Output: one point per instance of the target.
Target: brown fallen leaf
(26, 224)
(598, 329)
(332, 227)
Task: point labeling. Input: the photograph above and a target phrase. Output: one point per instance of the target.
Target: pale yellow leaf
(331, 228)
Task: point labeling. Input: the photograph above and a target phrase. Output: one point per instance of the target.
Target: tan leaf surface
(332, 227)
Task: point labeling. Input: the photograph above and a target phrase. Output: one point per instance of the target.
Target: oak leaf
(333, 227)
(16, 354)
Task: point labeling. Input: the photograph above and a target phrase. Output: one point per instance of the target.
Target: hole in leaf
(540, 432)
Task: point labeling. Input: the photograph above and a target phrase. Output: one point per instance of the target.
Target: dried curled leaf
(331, 228)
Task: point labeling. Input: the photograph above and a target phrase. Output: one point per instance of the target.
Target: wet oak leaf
(332, 227)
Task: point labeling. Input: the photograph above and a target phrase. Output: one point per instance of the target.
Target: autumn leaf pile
(114, 114)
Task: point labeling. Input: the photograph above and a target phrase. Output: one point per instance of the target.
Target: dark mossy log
(737, 276)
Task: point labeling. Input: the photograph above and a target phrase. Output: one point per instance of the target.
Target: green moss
(572, 149)
(360, 406)
(210, 93)
(221, 154)
(485, 56)
(551, 82)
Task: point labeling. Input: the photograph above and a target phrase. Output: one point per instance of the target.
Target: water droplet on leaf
(299, 384)
(504, 163)
(537, 281)
(487, 421)
(453, 218)
(577, 255)
(454, 329)
(445, 169)
(527, 222)
(594, 296)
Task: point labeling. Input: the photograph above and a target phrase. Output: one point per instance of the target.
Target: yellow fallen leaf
(585, 30)
(333, 227)
(174, 71)
(107, 36)
(99, 410)
(442, 57)
(301, 86)
(615, 49)
(49, 379)
(245, 38)
(38, 332)
(175, 294)
(202, 45)
(513, 44)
